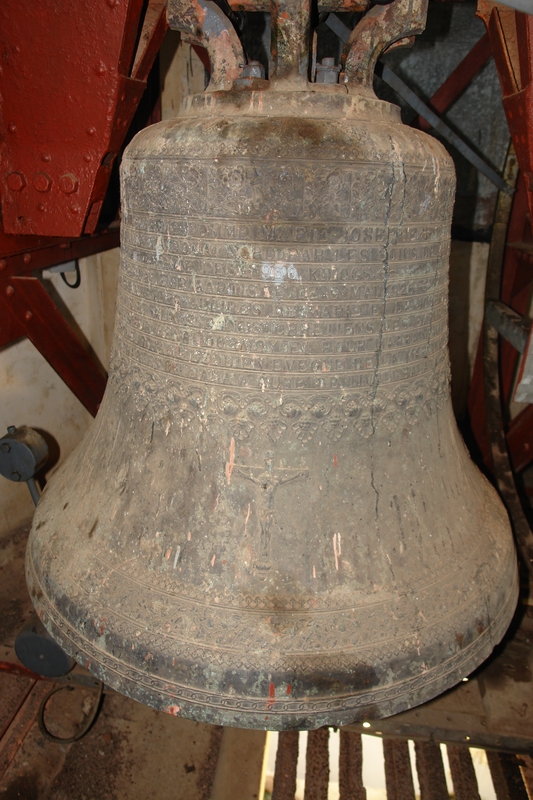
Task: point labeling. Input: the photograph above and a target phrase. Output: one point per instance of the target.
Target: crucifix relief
(268, 480)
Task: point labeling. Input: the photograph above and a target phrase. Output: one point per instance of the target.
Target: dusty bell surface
(273, 521)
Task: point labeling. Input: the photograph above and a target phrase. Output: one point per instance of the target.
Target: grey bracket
(23, 452)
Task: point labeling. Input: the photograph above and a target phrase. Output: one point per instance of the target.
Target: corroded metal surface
(351, 767)
(430, 771)
(398, 774)
(203, 22)
(463, 773)
(317, 765)
(508, 776)
(290, 40)
(286, 764)
(381, 27)
(283, 527)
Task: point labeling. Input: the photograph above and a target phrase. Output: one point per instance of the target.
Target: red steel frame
(511, 38)
(71, 79)
(26, 309)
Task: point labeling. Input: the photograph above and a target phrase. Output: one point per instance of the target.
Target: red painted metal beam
(27, 309)
(511, 38)
(515, 292)
(21, 255)
(459, 79)
(71, 78)
(25, 300)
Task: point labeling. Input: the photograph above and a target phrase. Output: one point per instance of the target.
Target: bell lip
(217, 709)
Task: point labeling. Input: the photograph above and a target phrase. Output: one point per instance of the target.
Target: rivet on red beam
(3, 264)
(28, 316)
(10, 291)
(26, 258)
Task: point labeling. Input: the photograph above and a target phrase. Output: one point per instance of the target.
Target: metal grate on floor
(511, 774)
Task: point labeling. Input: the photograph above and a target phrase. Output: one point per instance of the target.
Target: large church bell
(273, 521)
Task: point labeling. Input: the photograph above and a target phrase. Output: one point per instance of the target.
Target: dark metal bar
(206, 777)
(430, 771)
(317, 765)
(463, 773)
(351, 767)
(526, 770)
(398, 775)
(285, 770)
(401, 88)
(510, 325)
(437, 124)
(34, 491)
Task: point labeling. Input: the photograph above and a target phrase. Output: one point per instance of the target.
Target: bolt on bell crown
(273, 521)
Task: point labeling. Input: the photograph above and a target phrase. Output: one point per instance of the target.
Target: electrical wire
(88, 723)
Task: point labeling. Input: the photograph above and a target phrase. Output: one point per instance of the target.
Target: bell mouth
(260, 688)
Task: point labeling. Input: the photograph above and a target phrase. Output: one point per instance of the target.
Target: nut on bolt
(42, 182)
(253, 69)
(327, 71)
(16, 181)
(251, 72)
(68, 183)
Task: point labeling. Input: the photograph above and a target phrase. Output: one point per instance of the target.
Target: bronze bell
(273, 521)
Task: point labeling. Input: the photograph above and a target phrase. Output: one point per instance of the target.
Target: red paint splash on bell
(271, 696)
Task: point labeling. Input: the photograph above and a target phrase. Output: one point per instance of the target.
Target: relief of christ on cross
(268, 480)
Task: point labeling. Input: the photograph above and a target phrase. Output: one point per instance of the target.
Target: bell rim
(276, 714)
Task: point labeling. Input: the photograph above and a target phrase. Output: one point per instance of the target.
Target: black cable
(78, 278)
(88, 724)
